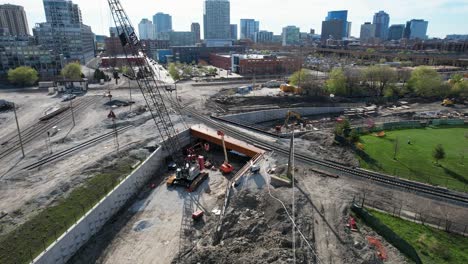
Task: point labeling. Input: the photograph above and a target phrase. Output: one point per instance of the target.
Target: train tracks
(39, 129)
(80, 146)
(420, 188)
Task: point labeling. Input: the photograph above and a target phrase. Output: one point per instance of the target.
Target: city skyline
(445, 17)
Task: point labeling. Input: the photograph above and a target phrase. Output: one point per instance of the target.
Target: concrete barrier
(256, 117)
(77, 235)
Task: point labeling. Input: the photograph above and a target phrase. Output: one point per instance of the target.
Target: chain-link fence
(412, 213)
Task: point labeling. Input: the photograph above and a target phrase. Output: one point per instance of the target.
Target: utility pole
(291, 175)
(73, 114)
(19, 131)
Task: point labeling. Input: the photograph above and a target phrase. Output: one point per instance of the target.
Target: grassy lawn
(414, 161)
(432, 245)
(31, 238)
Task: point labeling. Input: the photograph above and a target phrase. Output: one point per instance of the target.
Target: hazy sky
(444, 16)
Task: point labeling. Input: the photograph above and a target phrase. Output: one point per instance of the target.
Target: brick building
(256, 64)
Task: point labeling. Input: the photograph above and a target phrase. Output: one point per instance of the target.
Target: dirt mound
(322, 144)
(256, 229)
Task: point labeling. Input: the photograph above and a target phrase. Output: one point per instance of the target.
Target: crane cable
(294, 224)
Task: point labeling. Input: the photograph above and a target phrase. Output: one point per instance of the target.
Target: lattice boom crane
(146, 79)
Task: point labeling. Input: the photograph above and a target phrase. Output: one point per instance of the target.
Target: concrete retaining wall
(275, 114)
(78, 234)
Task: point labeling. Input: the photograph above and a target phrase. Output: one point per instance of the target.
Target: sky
(444, 16)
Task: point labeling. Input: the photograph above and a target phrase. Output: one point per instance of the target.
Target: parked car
(68, 97)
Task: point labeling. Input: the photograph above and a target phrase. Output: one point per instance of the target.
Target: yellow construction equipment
(447, 102)
(289, 115)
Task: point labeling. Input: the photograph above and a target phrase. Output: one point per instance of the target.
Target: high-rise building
(395, 32)
(233, 31)
(195, 28)
(416, 29)
(248, 28)
(333, 29)
(216, 22)
(182, 38)
(340, 15)
(291, 35)
(162, 23)
(263, 36)
(336, 25)
(22, 51)
(64, 33)
(367, 31)
(113, 32)
(146, 29)
(381, 22)
(13, 18)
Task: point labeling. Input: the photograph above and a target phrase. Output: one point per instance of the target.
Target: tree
(438, 153)
(336, 84)
(72, 71)
(23, 75)
(174, 72)
(458, 86)
(307, 82)
(353, 80)
(425, 82)
(298, 77)
(379, 77)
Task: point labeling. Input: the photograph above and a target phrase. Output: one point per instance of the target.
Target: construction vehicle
(155, 96)
(448, 102)
(225, 168)
(288, 118)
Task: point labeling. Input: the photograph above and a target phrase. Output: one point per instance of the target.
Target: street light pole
(19, 131)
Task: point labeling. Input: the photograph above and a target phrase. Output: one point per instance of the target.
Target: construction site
(132, 172)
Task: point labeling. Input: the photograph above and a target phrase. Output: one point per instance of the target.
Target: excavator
(289, 114)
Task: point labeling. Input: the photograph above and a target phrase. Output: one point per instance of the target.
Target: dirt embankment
(256, 229)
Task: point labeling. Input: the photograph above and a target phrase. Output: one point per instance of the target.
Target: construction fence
(387, 233)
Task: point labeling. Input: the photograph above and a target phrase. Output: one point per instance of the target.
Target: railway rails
(63, 153)
(427, 190)
(39, 129)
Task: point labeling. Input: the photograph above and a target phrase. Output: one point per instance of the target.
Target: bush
(23, 75)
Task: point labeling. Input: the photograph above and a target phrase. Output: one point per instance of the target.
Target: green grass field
(414, 161)
(432, 245)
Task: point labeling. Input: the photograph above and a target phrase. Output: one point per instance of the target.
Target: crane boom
(147, 82)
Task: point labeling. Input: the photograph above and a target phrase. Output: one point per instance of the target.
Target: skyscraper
(381, 21)
(162, 23)
(14, 19)
(248, 28)
(234, 31)
(333, 29)
(340, 15)
(216, 22)
(367, 31)
(291, 35)
(416, 29)
(64, 33)
(395, 32)
(336, 25)
(195, 28)
(146, 29)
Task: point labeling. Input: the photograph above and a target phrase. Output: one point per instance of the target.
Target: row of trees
(27, 76)
(381, 81)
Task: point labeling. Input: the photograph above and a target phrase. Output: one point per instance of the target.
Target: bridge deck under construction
(211, 135)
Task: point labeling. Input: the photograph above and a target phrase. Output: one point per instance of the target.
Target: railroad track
(428, 190)
(11, 145)
(80, 146)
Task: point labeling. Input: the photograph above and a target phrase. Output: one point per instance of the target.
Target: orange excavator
(226, 168)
